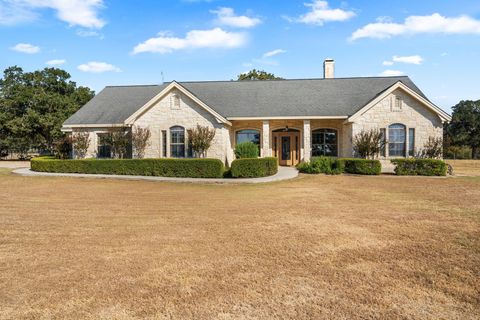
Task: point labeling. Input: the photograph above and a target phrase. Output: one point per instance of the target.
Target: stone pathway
(284, 173)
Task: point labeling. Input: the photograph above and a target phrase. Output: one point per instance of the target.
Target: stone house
(289, 119)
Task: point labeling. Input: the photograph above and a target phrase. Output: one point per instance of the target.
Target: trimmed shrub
(186, 168)
(420, 167)
(254, 167)
(327, 165)
(362, 166)
(246, 150)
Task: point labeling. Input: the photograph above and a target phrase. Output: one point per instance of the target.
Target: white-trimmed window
(397, 138)
(177, 142)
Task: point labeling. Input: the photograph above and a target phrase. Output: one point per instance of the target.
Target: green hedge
(420, 167)
(327, 165)
(330, 165)
(254, 167)
(185, 168)
(362, 166)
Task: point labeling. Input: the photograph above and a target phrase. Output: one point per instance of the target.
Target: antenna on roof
(163, 79)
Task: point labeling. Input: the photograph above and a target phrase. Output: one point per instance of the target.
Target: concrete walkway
(284, 173)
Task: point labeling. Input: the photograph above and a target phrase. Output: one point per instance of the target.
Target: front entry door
(286, 147)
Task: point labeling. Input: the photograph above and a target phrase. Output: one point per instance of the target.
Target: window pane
(248, 136)
(324, 143)
(411, 142)
(396, 140)
(177, 142)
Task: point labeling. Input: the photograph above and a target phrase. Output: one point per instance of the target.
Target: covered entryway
(286, 146)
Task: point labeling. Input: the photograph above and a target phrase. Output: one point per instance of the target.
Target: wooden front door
(286, 147)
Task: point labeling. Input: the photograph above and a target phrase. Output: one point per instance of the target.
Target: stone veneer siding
(164, 115)
(413, 114)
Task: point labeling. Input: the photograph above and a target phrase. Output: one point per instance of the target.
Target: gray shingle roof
(277, 98)
(113, 105)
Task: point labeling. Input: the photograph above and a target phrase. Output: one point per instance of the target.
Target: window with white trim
(397, 139)
(177, 142)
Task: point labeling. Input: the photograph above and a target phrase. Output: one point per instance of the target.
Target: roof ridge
(135, 85)
(250, 81)
(294, 79)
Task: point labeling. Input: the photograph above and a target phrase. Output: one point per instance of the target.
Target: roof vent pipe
(328, 69)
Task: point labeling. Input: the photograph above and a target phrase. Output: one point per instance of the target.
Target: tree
(80, 142)
(200, 139)
(119, 141)
(432, 149)
(33, 106)
(257, 75)
(140, 138)
(369, 143)
(464, 128)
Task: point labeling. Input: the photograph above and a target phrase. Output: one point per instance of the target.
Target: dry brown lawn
(465, 167)
(318, 247)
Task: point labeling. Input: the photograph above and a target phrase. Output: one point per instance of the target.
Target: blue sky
(436, 43)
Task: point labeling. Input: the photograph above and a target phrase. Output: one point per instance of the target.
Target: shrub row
(329, 165)
(362, 166)
(420, 167)
(254, 167)
(185, 168)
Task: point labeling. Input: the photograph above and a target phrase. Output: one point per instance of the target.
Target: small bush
(246, 150)
(254, 167)
(420, 167)
(432, 149)
(362, 166)
(327, 165)
(187, 168)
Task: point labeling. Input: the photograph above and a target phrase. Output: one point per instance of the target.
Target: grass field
(318, 247)
(465, 167)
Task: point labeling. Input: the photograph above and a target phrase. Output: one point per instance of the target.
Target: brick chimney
(328, 69)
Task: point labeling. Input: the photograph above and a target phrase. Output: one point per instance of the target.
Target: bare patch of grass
(316, 247)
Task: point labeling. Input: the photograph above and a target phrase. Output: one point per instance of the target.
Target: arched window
(324, 142)
(177, 142)
(248, 135)
(396, 140)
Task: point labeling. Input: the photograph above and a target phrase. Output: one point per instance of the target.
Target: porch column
(266, 151)
(307, 146)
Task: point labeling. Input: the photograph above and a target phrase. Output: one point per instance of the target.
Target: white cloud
(273, 53)
(320, 12)
(26, 48)
(391, 73)
(98, 67)
(214, 38)
(89, 33)
(444, 54)
(56, 62)
(227, 17)
(432, 24)
(416, 59)
(83, 13)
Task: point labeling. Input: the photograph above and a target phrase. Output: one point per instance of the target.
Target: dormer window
(175, 101)
(397, 103)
